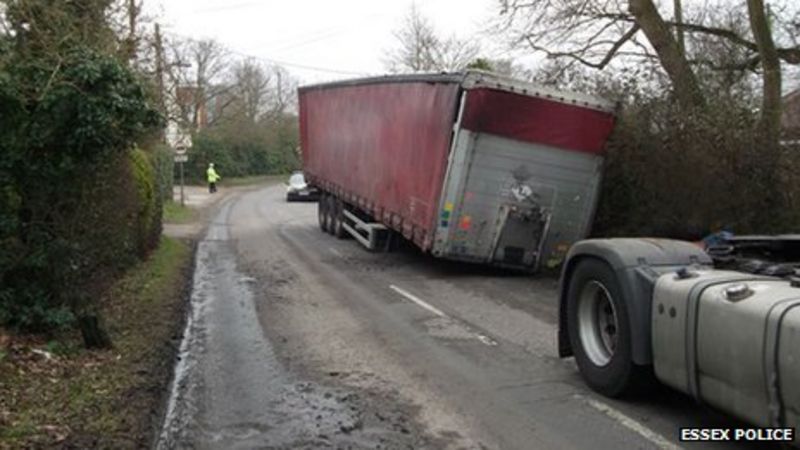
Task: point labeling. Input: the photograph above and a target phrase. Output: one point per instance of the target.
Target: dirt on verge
(54, 394)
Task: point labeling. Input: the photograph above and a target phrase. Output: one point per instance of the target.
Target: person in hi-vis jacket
(213, 177)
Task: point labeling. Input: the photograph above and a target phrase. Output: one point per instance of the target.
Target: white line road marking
(336, 252)
(417, 300)
(427, 306)
(631, 424)
(486, 340)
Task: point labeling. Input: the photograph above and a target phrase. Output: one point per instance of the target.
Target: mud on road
(232, 391)
(299, 340)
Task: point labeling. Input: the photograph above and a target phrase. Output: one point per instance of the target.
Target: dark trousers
(212, 187)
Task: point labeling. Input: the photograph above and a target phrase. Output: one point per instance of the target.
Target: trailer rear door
(522, 180)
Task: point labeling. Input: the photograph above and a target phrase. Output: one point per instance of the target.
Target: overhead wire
(276, 61)
(311, 38)
(233, 7)
(301, 40)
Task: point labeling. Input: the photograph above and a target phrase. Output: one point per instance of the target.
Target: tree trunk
(679, 36)
(769, 125)
(94, 334)
(674, 62)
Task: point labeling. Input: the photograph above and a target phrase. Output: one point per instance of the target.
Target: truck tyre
(322, 203)
(338, 219)
(599, 330)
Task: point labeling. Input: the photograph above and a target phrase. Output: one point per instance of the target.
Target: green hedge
(147, 227)
(164, 164)
(71, 188)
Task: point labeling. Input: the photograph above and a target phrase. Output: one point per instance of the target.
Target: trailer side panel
(383, 147)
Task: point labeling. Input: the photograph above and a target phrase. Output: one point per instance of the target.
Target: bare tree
(197, 71)
(420, 49)
(594, 33)
(417, 40)
(250, 89)
(454, 53)
(282, 94)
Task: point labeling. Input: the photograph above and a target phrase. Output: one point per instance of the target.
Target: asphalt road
(299, 340)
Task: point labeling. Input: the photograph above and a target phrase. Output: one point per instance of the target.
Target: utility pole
(133, 17)
(180, 163)
(160, 74)
(180, 155)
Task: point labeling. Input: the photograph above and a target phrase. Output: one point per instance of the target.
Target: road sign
(181, 150)
(181, 158)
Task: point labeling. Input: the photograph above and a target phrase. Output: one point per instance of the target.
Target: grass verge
(56, 394)
(175, 213)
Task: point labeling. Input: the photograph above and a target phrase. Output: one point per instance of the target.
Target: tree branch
(790, 55)
(575, 55)
(684, 82)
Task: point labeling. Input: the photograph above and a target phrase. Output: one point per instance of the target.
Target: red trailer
(469, 166)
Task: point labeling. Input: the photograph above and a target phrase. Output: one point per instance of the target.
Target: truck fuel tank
(732, 340)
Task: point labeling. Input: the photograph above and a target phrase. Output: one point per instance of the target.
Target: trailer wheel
(322, 204)
(599, 330)
(330, 213)
(338, 219)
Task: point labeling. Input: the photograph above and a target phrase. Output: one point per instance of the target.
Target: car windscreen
(297, 180)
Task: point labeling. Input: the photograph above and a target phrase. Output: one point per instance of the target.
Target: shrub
(670, 175)
(239, 148)
(164, 164)
(67, 125)
(147, 226)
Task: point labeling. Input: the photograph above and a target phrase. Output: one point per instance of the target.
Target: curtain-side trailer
(469, 166)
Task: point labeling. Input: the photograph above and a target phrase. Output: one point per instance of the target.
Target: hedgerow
(76, 205)
(670, 175)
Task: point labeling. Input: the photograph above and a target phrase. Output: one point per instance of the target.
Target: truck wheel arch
(637, 262)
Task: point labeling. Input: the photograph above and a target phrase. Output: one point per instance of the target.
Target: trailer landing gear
(335, 218)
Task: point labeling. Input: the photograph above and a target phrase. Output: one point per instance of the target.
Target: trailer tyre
(338, 219)
(322, 204)
(330, 213)
(599, 330)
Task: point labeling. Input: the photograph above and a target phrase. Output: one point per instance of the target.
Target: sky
(319, 40)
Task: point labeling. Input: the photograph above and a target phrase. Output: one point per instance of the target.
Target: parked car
(298, 189)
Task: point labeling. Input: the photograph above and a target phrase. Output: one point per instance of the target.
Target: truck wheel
(599, 330)
(338, 220)
(322, 203)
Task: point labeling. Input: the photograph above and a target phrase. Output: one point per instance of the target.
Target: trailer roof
(471, 79)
